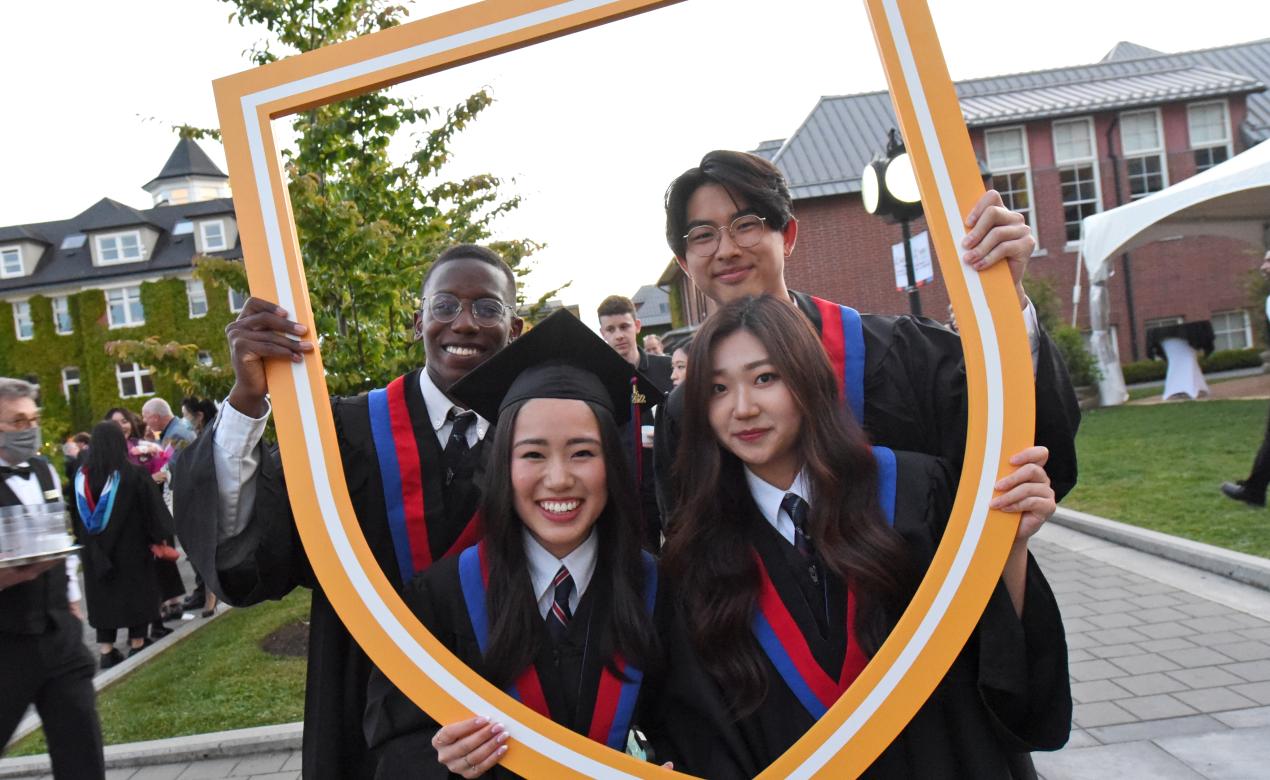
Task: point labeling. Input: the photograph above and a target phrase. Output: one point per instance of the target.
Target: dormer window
(73, 241)
(115, 248)
(213, 232)
(10, 262)
(183, 228)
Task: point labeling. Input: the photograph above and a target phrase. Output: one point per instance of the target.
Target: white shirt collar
(439, 405)
(543, 567)
(768, 498)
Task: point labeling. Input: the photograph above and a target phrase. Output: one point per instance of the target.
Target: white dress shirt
(543, 567)
(27, 489)
(768, 497)
(235, 436)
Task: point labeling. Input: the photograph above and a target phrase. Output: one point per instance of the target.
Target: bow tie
(23, 471)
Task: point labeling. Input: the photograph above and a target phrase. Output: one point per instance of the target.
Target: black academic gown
(1006, 694)
(657, 368)
(915, 397)
(121, 582)
(267, 561)
(400, 734)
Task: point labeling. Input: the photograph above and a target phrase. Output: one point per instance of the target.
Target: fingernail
(502, 737)
(281, 312)
(980, 266)
(969, 257)
(502, 750)
(298, 328)
(482, 720)
(496, 728)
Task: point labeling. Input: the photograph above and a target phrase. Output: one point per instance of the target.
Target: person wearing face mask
(43, 660)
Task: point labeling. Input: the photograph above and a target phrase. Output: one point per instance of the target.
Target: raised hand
(262, 331)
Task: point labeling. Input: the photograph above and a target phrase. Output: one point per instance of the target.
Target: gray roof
(768, 149)
(59, 267)
(187, 159)
(826, 153)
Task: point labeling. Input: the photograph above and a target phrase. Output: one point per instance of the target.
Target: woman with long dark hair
(557, 597)
(793, 538)
(118, 513)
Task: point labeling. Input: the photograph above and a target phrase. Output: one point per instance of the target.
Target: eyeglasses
(22, 423)
(745, 231)
(486, 312)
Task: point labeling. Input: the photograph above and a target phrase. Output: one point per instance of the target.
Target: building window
(70, 381)
(196, 294)
(123, 307)
(1143, 146)
(134, 381)
(1160, 322)
(1209, 128)
(120, 248)
(22, 323)
(1074, 155)
(213, 235)
(1006, 150)
(10, 262)
(62, 324)
(204, 358)
(1231, 330)
(237, 300)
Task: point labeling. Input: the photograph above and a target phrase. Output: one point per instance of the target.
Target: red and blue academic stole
(783, 642)
(614, 700)
(95, 514)
(842, 336)
(402, 476)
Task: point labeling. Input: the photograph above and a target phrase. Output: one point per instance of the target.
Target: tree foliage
(369, 221)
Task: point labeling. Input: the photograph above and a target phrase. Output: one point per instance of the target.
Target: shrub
(1081, 363)
(1144, 371)
(1230, 359)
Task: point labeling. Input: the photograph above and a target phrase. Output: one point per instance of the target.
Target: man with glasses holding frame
(413, 461)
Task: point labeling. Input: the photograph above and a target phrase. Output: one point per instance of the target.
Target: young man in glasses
(730, 223)
(412, 461)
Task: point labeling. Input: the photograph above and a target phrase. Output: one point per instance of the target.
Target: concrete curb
(1240, 567)
(196, 747)
(103, 680)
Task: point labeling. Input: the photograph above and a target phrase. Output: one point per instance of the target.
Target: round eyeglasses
(486, 312)
(745, 231)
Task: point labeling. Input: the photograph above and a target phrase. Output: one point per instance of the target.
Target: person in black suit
(232, 511)
(620, 329)
(43, 660)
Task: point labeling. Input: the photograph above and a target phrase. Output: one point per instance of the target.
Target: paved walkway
(1170, 672)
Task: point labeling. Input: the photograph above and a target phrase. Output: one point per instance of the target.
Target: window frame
(138, 373)
(1247, 328)
(5, 253)
(23, 305)
(1226, 143)
(232, 308)
(202, 233)
(68, 383)
(127, 323)
(1158, 152)
(1025, 169)
(190, 298)
(63, 302)
(1077, 162)
(100, 240)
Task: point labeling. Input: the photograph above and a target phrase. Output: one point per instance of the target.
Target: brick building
(1060, 145)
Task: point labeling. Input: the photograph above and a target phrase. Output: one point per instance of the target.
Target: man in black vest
(43, 659)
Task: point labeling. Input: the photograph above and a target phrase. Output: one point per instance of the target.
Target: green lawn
(217, 679)
(1159, 467)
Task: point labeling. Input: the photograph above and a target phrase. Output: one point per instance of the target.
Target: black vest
(29, 608)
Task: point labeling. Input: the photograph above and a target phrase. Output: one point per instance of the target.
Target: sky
(588, 129)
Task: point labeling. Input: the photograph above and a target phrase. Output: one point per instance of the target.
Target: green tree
(368, 224)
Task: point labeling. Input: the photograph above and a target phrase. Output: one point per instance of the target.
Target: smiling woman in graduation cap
(557, 603)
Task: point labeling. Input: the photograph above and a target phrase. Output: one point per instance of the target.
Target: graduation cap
(558, 358)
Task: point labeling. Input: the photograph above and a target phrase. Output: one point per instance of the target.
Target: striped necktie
(456, 446)
(559, 615)
(797, 509)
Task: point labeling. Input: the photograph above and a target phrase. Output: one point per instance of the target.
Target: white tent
(1231, 200)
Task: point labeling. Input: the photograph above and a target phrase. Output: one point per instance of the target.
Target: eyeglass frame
(471, 308)
(718, 234)
(23, 423)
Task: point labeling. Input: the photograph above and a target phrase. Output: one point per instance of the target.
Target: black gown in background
(266, 560)
(400, 734)
(915, 398)
(1006, 694)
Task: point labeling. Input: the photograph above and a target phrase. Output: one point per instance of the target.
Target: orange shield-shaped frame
(998, 366)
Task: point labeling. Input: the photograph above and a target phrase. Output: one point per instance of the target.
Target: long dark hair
(203, 406)
(107, 453)
(510, 601)
(709, 552)
(138, 425)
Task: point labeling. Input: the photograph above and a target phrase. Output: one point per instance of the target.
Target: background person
(653, 345)
(43, 660)
(119, 513)
(234, 516)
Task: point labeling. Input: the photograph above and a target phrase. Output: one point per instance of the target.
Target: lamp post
(889, 190)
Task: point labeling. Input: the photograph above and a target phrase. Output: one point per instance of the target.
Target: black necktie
(797, 509)
(559, 615)
(23, 471)
(456, 447)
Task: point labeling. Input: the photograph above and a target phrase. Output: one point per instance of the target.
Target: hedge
(1221, 360)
